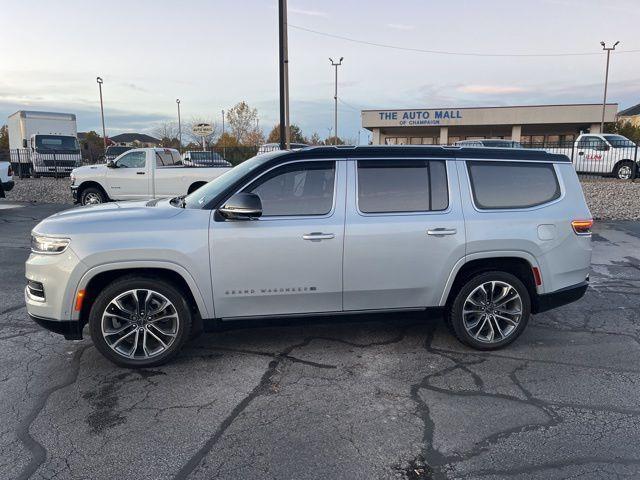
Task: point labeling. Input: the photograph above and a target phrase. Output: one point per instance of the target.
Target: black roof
(422, 151)
(635, 110)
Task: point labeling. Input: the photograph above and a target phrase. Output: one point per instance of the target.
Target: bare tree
(243, 123)
(167, 132)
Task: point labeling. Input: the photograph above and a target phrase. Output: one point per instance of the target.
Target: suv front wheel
(490, 310)
(140, 322)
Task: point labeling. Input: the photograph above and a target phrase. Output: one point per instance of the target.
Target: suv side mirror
(111, 164)
(242, 206)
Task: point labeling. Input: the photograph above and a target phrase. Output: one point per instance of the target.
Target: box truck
(45, 141)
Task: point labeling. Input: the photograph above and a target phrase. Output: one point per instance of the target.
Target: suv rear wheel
(490, 310)
(140, 322)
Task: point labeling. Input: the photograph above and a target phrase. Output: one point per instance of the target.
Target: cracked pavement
(391, 396)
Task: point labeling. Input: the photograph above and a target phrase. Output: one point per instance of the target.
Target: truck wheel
(624, 170)
(140, 322)
(92, 196)
(490, 311)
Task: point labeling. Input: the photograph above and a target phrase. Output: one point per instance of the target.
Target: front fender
(205, 308)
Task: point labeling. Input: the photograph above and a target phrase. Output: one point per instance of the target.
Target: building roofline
(485, 108)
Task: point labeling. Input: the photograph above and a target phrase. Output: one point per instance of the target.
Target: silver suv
(488, 236)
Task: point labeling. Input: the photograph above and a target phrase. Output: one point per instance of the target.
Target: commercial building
(631, 115)
(535, 124)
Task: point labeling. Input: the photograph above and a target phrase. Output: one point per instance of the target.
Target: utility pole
(224, 141)
(179, 126)
(283, 70)
(104, 131)
(606, 81)
(335, 99)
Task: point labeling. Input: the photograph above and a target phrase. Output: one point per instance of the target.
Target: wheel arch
(519, 264)
(98, 277)
(91, 183)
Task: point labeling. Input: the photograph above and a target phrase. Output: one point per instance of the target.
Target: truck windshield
(211, 190)
(617, 141)
(56, 142)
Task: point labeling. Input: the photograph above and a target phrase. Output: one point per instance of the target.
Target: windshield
(617, 141)
(56, 142)
(208, 192)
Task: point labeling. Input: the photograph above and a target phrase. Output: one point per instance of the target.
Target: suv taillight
(582, 227)
(10, 171)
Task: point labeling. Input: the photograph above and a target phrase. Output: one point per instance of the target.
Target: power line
(444, 52)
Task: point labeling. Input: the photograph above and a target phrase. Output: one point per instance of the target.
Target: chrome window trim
(521, 209)
(295, 217)
(402, 214)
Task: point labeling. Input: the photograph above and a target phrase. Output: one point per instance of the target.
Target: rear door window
(508, 185)
(402, 186)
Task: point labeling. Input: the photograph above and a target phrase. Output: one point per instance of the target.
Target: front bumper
(74, 193)
(59, 276)
(560, 297)
(70, 329)
(8, 186)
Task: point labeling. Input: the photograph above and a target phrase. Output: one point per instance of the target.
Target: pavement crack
(38, 452)
(260, 389)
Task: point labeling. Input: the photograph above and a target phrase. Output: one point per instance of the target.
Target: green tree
(243, 123)
(296, 134)
(624, 128)
(92, 145)
(4, 138)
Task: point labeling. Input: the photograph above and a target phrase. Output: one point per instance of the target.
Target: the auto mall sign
(419, 117)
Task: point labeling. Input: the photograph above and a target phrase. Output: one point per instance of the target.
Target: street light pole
(606, 81)
(282, 54)
(179, 125)
(224, 141)
(104, 131)
(335, 100)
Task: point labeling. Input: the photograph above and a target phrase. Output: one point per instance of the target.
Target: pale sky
(212, 54)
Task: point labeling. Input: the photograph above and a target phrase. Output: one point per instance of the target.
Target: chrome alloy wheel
(92, 199)
(492, 311)
(624, 172)
(140, 324)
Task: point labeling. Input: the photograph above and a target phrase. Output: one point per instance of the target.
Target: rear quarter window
(509, 185)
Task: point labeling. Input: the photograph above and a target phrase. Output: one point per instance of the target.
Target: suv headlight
(48, 245)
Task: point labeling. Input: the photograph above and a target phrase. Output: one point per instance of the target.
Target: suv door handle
(442, 231)
(317, 236)
(139, 173)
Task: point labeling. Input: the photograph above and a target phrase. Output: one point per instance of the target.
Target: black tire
(118, 287)
(455, 318)
(92, 196)
(624, 170)
(2, 195)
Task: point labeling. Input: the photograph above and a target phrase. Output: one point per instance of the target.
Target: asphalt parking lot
(364, 398)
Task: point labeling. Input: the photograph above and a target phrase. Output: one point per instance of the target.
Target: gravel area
(608, 199)
(613, 199)
(41, 190)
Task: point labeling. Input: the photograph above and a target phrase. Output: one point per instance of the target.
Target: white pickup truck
(139, 174)
(606, 154)
(6, 178)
